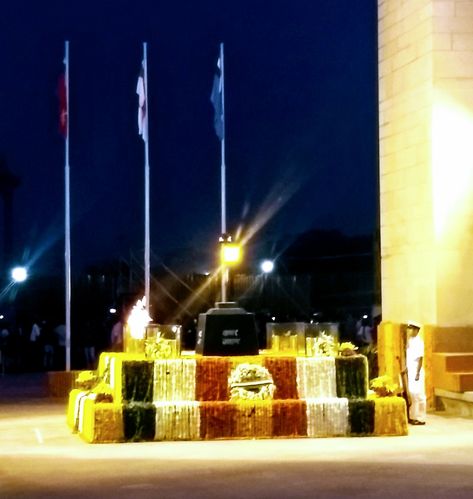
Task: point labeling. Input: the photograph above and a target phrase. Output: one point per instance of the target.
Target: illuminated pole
(223, 179)
(217, 98)
(147, 230)
(222, 142)
(67, 252)
(143, 112)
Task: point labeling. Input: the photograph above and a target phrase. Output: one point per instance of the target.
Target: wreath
(251, 382)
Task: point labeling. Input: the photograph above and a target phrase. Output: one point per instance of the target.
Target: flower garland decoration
(174, 380)
(86, 380)
(327, 416)
(316, 377)
(251, 382)
(384, 386)
(95, 387)
(323, 345)
(158, 348)
(284, 373)
(101, 392)
(347, 349)
(179, 420)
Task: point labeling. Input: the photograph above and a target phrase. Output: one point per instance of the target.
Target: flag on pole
(62, 95)
(142, 111)
(216, 98)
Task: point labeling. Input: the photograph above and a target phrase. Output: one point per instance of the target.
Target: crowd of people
(40, 345)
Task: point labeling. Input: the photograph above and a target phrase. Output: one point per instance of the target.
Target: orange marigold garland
(217, 420)
(245, 415)
(284, 373)
(211, 378)
(263, 421)
(289, 418)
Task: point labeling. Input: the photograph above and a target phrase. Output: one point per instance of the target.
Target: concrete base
(454, 404)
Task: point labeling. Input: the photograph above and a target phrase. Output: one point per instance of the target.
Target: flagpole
(67, 252)
(222, 178)
(146, 145)
(222, 145)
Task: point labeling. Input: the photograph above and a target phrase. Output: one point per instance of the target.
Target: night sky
(301, 122)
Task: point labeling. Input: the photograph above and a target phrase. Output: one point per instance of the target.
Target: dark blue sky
(301, 118)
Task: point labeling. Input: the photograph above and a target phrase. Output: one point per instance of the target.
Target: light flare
(452, 166)
(138, 320)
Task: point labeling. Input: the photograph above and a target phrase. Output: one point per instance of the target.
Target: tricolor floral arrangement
(230, 397)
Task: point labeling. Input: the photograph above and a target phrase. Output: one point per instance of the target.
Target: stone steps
(453, 381)
(452, 340)
(453, 403)
(453, 371)
(453, 361)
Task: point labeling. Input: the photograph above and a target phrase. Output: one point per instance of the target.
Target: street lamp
(230, 254)
(19, 274)
(267, 266)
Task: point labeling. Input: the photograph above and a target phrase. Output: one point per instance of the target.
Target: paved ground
(39, 457)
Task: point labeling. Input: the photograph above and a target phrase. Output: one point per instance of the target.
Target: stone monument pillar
(425, 61)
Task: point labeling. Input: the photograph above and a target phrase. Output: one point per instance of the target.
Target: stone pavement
(39, 457)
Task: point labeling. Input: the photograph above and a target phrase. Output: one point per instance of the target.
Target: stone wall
(426, 160)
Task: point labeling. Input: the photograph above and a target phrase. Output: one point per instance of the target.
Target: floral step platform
(190, 398)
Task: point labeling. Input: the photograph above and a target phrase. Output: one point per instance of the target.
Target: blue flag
(216, 98)
(142, 111)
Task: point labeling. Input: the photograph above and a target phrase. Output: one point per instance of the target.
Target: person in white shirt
(415, 375)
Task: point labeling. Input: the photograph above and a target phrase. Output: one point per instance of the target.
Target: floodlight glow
(230, 253)
(267, 266)
(113, 310)
(19, 274)
(452, 172)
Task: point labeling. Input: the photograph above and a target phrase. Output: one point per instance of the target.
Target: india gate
(425, 56)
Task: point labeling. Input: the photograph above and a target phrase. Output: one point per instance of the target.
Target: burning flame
(138, 319)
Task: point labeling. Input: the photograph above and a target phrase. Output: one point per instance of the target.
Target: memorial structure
(426, 187)
(136, 398)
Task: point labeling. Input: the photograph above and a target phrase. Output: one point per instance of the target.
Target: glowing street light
(19, 274)
(267, 266)
(231, 253)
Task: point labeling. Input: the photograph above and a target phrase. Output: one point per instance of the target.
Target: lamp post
(230, 254)
(267, 267)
